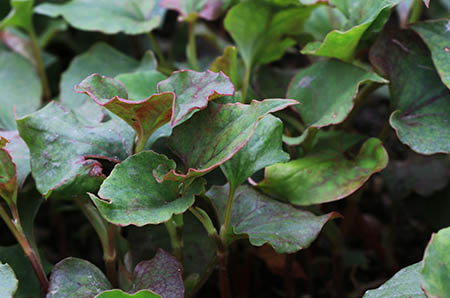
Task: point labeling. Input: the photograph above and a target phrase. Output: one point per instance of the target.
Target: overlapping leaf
(19, 152)
(108, 16)
(63, 149)
(121, 294)
(226, 128)
(205, 9)
(131, 195)
(265, 220)
(8, 176)
(20, 15)
(8, 281)
(324, 176)
(227, 63)
(419, 98)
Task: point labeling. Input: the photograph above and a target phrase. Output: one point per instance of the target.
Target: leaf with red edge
(193, 91)
(213, 136)
(8, 177)
(205, 9)
(20, 154)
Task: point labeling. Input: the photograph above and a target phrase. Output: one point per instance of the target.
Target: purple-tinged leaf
(121, 294)
(20, 154)
(266, 220)
(206, 9)
(8, 177)
(193, 91)
(224, 129)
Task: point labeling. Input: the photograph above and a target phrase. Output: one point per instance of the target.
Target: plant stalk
(192, 47)
(110, 256)
(224, 281)
(227, 219)
(246, 83)
(157, 49)
(37, 53)
(416, 11)
(176, 239)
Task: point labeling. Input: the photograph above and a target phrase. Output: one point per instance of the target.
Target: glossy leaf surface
(107, 16)
(20, 154)
(205, 9)
(324, 176)
(420, 99)
(76, 278)
(20, 15)
(265, 220)
(8, 281)
(64, 148)
(131, 195)
(121, 294)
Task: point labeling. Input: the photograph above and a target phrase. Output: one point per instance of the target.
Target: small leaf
(265, 220)
(205, 9)
(263, 149)
(321, 106)
(193, 91)
(15, 73)
(325, 175)
(121, 294)
(404, 284)
(419, 98)
(162, 275)
(20, 154)
(131, 195)
(435, 270)
(235, 123)
(8, 281)
(436, 35)
(20, 15)
(107, 16)
(227, 63)
(8, 177)
(62, 149)
(76, 278)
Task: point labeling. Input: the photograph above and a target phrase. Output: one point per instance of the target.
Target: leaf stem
(176, 238)
(246, 83)
(224, 280)
(157, 49)
(293, 121)
(110, 256)
(192, 47)
(416, 11)
(37, 53)
(227, 218)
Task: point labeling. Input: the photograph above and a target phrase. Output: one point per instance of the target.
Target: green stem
(227, 219)
(176, 239)
(192, 47)
(157, 49)
(246, 83)
(416, 11)
(40, 65)
(205, 220)
(140, 145)
(293, 121)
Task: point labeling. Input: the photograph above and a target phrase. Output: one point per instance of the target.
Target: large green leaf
(420, 100)
(15, 73)
(265, 220)
(322, 106)
(404, 284)
(260, 30)
(263, 149)
(193, 91)
(436, 261)
(63, 149)
(325, 175)
(206, 9)
(20, 15)
(121, 294)
(131, 195)
(201, 150)
(76, 278)
(8, 176)
(20, 154)
(8, 281)
(108, 16)
(436, 35)
(361, 15)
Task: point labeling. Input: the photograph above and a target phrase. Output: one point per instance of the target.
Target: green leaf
(63, 149)
(419, 98)
(121, 294)
(142, 84)
(435, 270)
(8, 281)
(436, 35)
(144, 116)
(77, 278)
(8, 177)
(404, 284)
(162, 275)
(325, 175)
(15, 73)
(235, 123)
(263, 149)
(193, 91)
(321, 106)
(324, 19)
(131, 195)
(360, 14)
(205, 9)
(227, 63)
(20, 15)
(264, 38)
(20, 154)
(107, 16)
(265, 220)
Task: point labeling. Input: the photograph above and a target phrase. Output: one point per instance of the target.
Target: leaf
(436, 35)
(64, 149)
(193, 91)
(144, 116)
(20, 15)
(427, 3)
(131, 195)
(263, 149)
(321, 106)
(404, 284)
(121, 294)
(8, 177)
(201, 150)
(77, 278)
(227, 63)
(8, 281)
(205, 9)
(107, 16)
(265, 220)
(419, 98)
(162, 275)
(15, 73)
(342, 43)
(20, 154)
(141, 85)
(324, 176)
(265, 38)
(435, 270)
